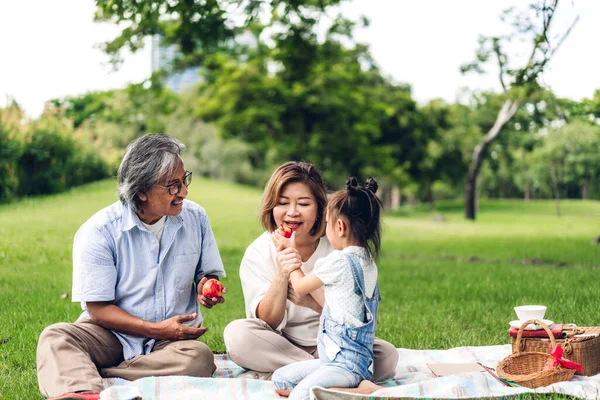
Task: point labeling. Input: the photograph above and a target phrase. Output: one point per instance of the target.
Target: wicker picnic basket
(581, 344)
(527, 368)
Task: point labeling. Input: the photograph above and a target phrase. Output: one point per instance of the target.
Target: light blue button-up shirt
(115, 258)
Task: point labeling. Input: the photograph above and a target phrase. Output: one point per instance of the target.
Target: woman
(281, 327)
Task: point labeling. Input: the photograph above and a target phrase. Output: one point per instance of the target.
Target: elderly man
(138, 270)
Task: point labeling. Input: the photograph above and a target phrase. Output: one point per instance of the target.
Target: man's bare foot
(283, 392)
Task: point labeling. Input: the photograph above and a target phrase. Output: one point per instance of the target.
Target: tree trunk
(395, 197)
(585, 188)
(527, 193)
(390, 196)
(555, 189)
(429, 195)
(384, 194)
(509, 108)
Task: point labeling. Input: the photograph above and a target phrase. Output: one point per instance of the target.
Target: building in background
(162, 57)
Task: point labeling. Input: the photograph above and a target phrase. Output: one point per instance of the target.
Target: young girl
(349, 277)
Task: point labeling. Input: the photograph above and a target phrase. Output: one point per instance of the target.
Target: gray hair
(147, 160)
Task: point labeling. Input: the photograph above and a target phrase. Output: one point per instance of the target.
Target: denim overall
(345, 354)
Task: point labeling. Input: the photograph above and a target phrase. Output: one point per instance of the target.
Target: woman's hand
(288, 259)
(280, 240)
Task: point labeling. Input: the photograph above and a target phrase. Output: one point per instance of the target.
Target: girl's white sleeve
(330, 269)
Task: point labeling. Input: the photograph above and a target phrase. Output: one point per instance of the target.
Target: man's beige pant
(253, 344)
(74, 357)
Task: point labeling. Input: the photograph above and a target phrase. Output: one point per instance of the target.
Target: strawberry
(212, 288)
(286, 231)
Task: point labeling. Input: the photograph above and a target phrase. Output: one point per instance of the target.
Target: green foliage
(83, 167)
(200, 28)
(570, 155)
(42, 164)
(294, 92)
(207, 153)
(120, 115)
(286, 80)
(88, 106)
(53, 160)
(304, 114)
(44, 156)
(437, 162)
(10, 149)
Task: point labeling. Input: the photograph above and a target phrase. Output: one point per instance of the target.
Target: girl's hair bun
(371, 185)
(351, 184)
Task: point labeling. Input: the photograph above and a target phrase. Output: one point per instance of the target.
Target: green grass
(444, 284)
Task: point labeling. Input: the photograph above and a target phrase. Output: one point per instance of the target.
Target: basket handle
(537, 322)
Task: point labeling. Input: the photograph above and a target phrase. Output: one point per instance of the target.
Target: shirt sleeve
(210, 262)
(94, 269)
(256, 274)
(330, 269)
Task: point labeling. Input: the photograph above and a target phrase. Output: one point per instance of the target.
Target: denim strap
(357, 271)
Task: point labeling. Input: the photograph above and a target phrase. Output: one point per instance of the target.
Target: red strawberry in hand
(212, 288)
(286, 231)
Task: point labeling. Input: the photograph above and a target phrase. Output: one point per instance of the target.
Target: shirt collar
(130, 219)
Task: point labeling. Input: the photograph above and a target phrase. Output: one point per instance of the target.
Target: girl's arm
(304, 284)
(319, 296)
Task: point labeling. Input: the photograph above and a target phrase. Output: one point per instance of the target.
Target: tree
(582, 161)
(433, 150)
(568, 156)
(338, 111)
(137, 109)
(202, 27)
(293, 92)
(525, 176)
(518, 83)
(11, 129)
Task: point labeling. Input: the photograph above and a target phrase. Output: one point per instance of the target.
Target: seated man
(138, 270)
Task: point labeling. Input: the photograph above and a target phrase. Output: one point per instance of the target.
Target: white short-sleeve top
(345, 306)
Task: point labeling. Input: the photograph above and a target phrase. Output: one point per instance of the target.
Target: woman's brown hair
(290, 172)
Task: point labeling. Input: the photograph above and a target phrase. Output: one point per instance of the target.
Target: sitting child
(349, 277)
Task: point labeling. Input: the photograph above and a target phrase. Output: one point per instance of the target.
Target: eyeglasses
(175, 188)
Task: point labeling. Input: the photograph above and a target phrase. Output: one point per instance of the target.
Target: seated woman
(281, 327)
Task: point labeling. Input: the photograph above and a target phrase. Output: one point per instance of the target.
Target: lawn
(445, 282)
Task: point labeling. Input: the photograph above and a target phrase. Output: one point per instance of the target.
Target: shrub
(83, 167)
(42, 163)
(9, 154)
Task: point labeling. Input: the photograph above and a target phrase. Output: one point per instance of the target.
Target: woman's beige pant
(74, 357)
(253, 344)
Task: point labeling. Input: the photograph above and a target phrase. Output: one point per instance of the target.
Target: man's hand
(175, 329)
(205, 301)
(303, 301)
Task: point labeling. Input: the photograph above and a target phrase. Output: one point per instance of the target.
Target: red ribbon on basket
(556, 354)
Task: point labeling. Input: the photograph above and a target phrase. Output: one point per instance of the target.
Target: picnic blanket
(413, 380)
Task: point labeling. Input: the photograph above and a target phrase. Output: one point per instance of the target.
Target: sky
(48, 49)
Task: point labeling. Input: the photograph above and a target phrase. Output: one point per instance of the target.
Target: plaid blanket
(220, 386)
(413, 380)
